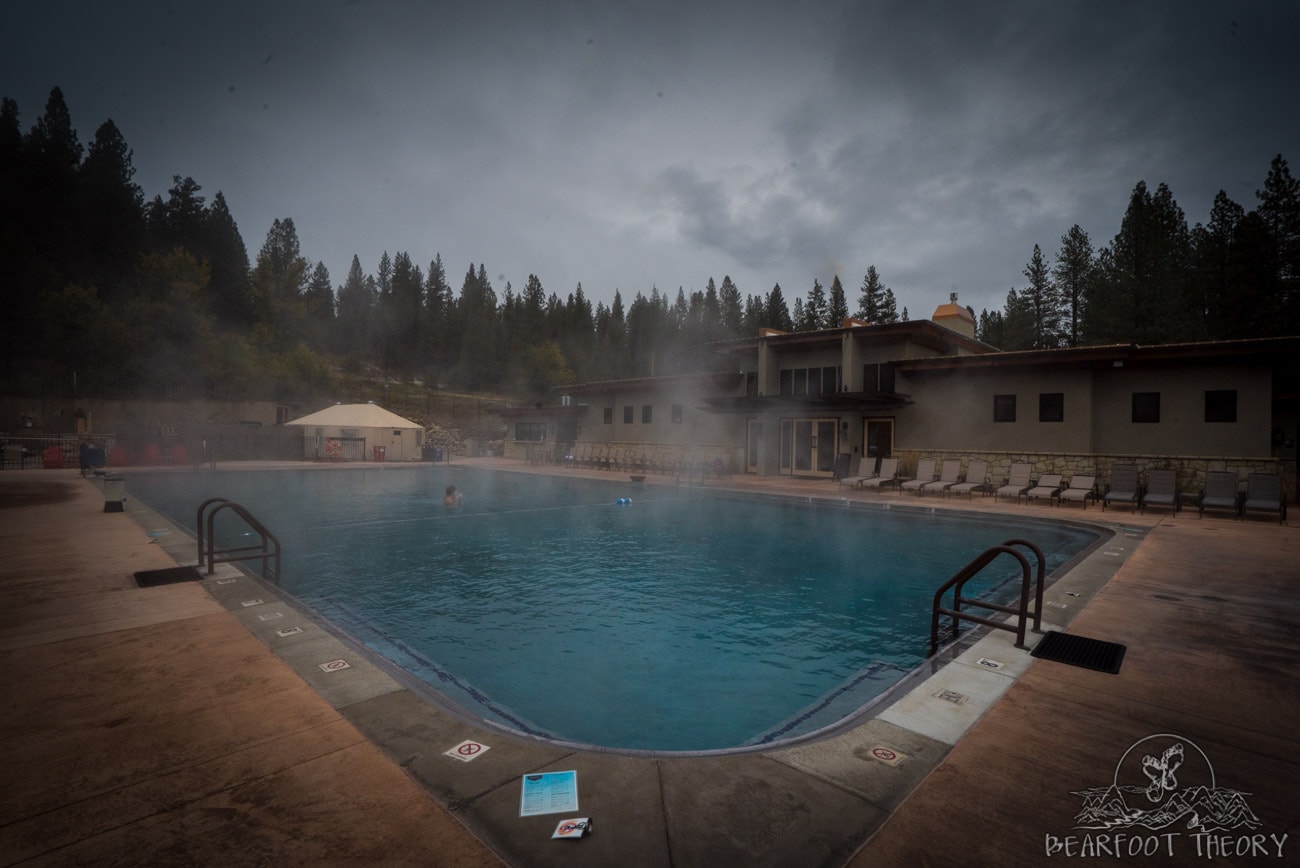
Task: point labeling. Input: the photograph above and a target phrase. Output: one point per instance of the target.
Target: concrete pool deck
(203, 722)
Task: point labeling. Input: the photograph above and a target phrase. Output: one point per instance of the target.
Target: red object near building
(52, 458)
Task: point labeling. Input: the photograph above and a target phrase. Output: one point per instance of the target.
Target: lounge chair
(866, 470)
(1018, 482)
(976, 479)
(1123, 486)
(1080, 488)
(924, 476)
(1049, 486)
(949, 475)
(1221, 492)
(1162, 490)
(888, 475)
(1264, 494)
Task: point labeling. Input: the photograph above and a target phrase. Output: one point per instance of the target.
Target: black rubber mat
(169, 576)
(1081, 651)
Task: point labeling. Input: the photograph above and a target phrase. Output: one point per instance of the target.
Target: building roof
(355, 416)
(1115, 355)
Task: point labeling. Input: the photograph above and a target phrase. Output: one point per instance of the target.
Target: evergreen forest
(109, 294)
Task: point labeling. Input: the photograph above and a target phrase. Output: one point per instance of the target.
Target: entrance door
(753, 445)
(877, 441)
(808, 446)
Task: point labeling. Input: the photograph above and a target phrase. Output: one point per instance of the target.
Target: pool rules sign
(467, 750)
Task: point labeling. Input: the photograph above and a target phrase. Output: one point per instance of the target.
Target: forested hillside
(109, 294)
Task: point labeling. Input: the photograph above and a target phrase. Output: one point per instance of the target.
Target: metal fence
(140, 450)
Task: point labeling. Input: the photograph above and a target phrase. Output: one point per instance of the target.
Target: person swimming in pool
(452, 497)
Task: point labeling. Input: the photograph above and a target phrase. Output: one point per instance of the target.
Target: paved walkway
(175, 725)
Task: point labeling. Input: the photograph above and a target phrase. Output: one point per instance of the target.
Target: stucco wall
(952, 408)
(1182, 429)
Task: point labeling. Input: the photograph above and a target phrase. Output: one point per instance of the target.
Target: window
(677, 414)
(609, 415)
(1004, 408)
(530, 432)
(810, 381)
(646, 413)
(1146, 406)
(1221, 405)
(627, 415)
(1051, 407)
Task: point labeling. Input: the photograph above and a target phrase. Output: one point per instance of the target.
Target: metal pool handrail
(969, 571)
(268, 550)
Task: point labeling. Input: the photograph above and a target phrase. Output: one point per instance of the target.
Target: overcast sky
(625, 145)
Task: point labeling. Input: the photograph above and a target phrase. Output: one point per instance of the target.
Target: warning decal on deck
(467, 750)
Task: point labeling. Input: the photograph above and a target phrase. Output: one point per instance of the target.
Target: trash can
(380, 452)
(114, 493)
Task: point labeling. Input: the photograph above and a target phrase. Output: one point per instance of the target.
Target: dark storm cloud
(661, 144)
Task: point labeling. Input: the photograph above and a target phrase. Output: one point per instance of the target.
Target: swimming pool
(683, 620)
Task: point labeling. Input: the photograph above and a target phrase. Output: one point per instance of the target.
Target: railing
(968, 572)
(268, 550)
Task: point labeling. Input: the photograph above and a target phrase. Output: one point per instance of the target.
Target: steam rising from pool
(680, 621)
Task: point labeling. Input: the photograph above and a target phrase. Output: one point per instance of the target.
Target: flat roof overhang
(840, 402)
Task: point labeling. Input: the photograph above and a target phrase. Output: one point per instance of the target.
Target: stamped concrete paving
(177, 724)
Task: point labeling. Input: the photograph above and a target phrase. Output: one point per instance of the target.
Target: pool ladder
(268, 550)
(1021, 611)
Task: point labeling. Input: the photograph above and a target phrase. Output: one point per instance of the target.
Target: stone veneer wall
(1191, 468)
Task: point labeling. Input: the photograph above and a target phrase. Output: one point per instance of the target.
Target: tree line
(112, 295)
(1238, 276)
(108, 294)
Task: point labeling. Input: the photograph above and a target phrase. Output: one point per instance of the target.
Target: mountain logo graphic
(1165, 781)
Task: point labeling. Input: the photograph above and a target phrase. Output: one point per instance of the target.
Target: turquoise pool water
(680, 621)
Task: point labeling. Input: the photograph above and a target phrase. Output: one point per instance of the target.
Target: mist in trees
(109, 294)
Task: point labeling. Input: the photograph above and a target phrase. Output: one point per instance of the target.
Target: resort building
(834, 402)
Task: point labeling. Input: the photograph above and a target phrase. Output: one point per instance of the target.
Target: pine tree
(1143, 292)
(731, 309)
(1042, 302)
(318, 309)
(180, 221)
(799, 316)
(838, 307)
(888, 311)
(871, 297)
(112, 208)
(438, 351)
(277, 285)
(1073, 271)
(814, 309)
(775, 313)
(229, 295)
(356, 308)
(1279, 207)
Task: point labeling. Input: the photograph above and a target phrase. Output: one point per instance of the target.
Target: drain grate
(169, 576)
(1081, 651)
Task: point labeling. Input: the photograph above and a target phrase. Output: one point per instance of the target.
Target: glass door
(753, 445)
(808, 446)
(877, 441)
